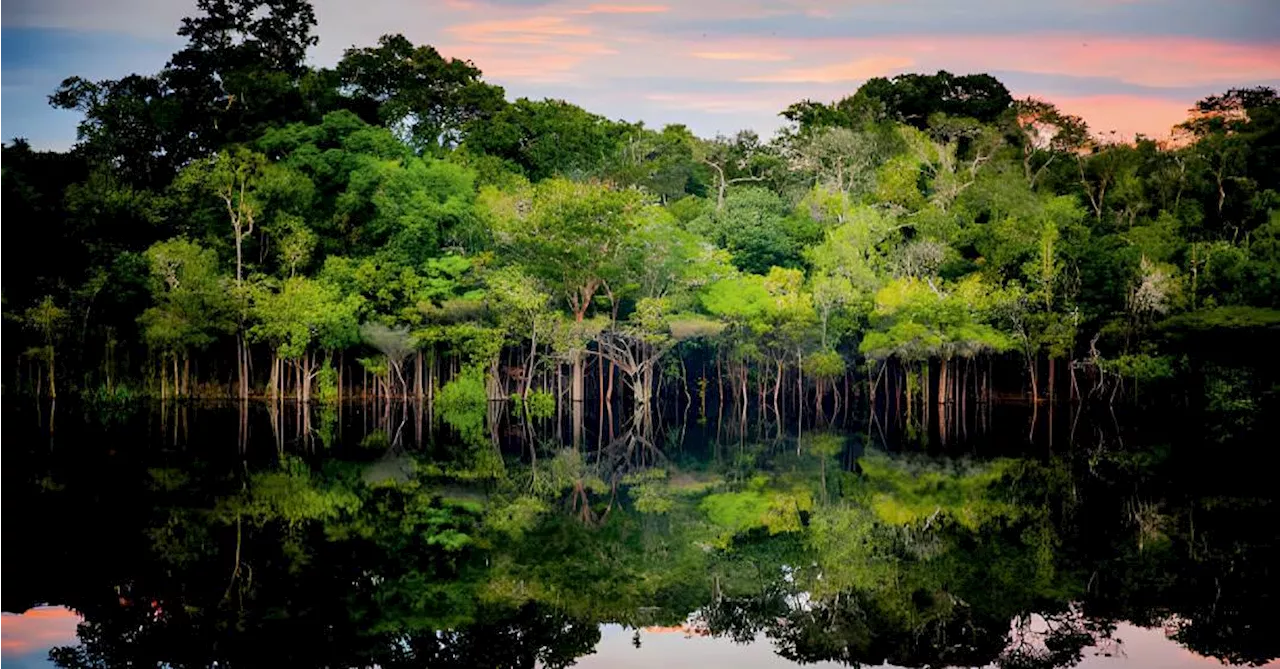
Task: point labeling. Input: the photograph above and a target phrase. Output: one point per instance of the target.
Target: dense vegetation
(243, 225)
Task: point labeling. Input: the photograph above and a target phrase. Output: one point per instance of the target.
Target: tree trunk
(942, 382)
(719, 382)
(1035, 382)
(1052, 367)
(273, 382)
(417, 375)
(799, 389)
(777, 386)
(608, 393)
(530, 364)
(924, 388)
(242, 356)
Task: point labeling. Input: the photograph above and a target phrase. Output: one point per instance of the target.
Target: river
(231, 535)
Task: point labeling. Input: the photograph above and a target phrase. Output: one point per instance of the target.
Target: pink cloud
(529, 30)
(1126, 115)
(37, 629)
(564, 44)
(751, 56)
(1157, 62)
(623, 9)
(858, 70)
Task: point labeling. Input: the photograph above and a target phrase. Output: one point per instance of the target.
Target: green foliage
(759, 506)
(540, 405)
(305, 314)
(463, 404)
(825, 365)
(918, 491)
(753, 227)
(1140, 367)
(326, 385)
(398, 202)
(426, 97)
(191, 302)
(514, 519)
(546, 138)
(290, 496)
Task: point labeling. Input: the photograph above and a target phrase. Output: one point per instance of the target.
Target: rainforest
(371, 365)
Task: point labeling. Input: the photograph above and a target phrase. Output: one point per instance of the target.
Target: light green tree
(192, 306)
(47, 319)
(304, 321)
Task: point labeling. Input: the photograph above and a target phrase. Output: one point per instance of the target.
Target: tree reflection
(397, 553)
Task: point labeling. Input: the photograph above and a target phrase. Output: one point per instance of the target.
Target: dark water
(203, 535)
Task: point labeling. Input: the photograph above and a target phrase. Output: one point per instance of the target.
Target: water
(375, 536)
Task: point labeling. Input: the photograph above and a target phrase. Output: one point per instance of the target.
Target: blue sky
(716, 65)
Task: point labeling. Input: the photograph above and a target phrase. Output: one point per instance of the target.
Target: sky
(1128, 66)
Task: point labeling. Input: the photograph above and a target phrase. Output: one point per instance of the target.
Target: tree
(546, 138)
(234, 178)
(569, 235)
(907, 98)
(739, 159)
(424, 97)
(191, 308)
(753, 226)
(304, 317)
(130, 125)
(407, 209)
(913, 98)
(523, 307)
(663, 269)
(663, 163)
(1046, 134)
(47, 319)
(240, 70)
(1235, 139)
(849, 263)
(920, 319)
(839, 160)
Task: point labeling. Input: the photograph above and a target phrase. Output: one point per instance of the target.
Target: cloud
(715, 103)
(530, 30)
(1233, 20)
(1124, 115)
(38, 629)
(858, 70)
(1153, 62)
(1157, 62)
(623, 9)
(751, 56)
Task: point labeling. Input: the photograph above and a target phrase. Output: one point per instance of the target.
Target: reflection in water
(26, 638)
(388, 535)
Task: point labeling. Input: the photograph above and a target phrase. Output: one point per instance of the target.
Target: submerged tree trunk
(942, 382)
(1052, 366)
(576, 388)
(1032, 369)
(417, 375)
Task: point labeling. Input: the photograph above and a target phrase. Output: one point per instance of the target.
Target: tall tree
(571, 236)
(426, 98)
(239, 71)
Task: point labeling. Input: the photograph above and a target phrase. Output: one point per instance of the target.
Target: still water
(221, 535)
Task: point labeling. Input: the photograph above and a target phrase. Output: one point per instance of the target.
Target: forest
(243, 225)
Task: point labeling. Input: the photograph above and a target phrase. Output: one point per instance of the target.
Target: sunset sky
(715, 65)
